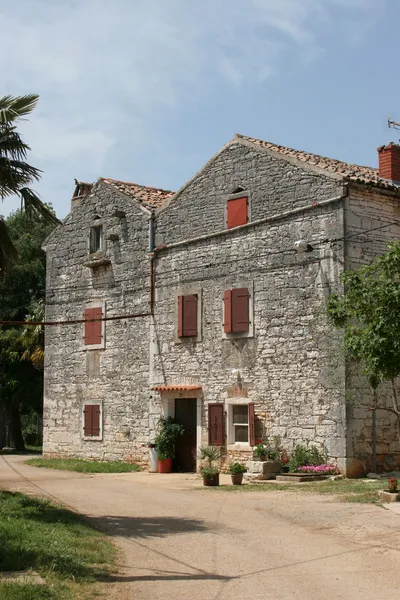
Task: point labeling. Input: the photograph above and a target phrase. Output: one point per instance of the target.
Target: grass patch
(345, 490)
(66, 551)
(83, 466)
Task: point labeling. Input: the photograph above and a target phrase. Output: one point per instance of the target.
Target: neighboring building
(223, 285)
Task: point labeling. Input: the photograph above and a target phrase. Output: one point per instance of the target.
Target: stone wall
(116, 376)
(273, 185)
(367, 210)
(291, 368)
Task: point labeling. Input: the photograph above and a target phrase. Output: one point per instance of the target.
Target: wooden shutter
(88, 314)
(88, 419)
(91, 425)
(236, 212)
(95, 420)
(180, 316)
(228, 311)
(240, 310)
(97, 325)
(93, 329)
(187, 315)
(216, 424)
(252, 429)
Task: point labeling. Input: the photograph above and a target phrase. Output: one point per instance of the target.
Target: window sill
(239, 447)
(93, 438)
(96, 261)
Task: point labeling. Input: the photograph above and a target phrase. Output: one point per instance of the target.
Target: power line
(76, 321)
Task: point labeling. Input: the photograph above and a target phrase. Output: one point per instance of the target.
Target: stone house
(210, 307)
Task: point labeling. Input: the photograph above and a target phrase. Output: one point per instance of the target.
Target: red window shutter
(93, 329)
(240, 310)
(180, 316)
(88, 314)
(237, 212)
(190, 303)
(252, 429)
(97, 325)
(228, 311)
(95, 420)
(88, 419)
(216, 424)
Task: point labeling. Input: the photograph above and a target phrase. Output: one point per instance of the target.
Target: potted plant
(284, 460)
(259, 451)
(209, 473)
(392, 493)
(236, 469)
(165, 441)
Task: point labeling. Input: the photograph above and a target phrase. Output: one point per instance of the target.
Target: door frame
(168, 410)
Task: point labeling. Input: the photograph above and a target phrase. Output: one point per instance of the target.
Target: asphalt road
(180, 541)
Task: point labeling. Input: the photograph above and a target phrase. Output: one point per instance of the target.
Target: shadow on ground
(148, 527)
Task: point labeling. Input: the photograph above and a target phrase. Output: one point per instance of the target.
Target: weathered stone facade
(290, 363)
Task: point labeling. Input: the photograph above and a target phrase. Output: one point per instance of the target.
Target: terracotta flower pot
(237, 478)
(211, 481)
(165, 465)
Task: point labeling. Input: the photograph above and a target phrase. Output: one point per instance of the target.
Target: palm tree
(15, 173)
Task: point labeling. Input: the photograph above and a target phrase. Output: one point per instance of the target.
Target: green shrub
(165, 441)
(236, 467)
(305, 455)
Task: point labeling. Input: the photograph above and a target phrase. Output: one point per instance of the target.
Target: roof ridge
(146, 187)
(303, 152)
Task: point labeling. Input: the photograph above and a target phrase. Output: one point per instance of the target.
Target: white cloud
(107, 68)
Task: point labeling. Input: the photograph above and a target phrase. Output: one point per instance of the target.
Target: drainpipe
(151, 232)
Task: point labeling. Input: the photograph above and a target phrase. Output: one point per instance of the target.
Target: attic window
(96, 239)
(238, 190)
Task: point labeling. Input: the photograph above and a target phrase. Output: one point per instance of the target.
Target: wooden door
(185, 415)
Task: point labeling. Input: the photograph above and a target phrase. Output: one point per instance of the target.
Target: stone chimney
(389, 162)
(81, 191)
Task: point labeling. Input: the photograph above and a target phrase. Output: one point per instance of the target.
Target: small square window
(96, 239)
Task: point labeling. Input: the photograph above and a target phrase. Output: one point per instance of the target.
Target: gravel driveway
(180, 541)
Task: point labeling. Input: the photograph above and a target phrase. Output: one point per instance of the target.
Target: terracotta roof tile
(176, 388)
(150, 197)
(356, 173)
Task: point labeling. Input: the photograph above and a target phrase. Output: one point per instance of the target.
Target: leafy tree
(369, 310)
(15, 173)
(21, 349)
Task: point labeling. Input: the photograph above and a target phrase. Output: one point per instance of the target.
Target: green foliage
(369, 309)
(237, 467)
(15, 173)
(26, 591)
(305, 455)
(209, 453)
(83, 466)
(168, 433)
(21, 382)
(60, 545)
(208, 472)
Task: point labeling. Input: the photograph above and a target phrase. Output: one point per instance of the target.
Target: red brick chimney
(389, 161)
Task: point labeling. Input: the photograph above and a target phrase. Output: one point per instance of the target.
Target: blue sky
(148, 91)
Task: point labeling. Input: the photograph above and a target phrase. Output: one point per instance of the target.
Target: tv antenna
(393, 124)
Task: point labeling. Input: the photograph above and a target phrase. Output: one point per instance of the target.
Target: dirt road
(180, 541)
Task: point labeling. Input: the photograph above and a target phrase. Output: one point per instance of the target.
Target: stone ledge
(300, 477)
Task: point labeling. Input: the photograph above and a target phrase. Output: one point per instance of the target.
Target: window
(236, 212)
(92, 420)
(241, 428)
(236, 310)
(187, 315)
(96, 239)
(93, 330)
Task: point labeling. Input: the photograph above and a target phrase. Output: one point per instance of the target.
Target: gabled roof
(356, 173)
(150, 197)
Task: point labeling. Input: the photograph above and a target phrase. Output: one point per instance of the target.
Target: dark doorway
(185, 414)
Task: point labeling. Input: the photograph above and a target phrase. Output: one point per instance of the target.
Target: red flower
(259, 442)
